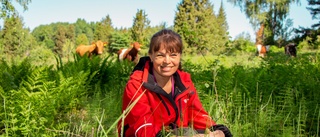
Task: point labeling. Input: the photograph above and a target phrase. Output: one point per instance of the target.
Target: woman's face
(165, 63)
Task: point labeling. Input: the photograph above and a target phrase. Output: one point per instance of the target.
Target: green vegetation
(274, 96)
(48, 90)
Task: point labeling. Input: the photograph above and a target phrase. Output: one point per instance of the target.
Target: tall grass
(274, 96)
(278, 98)
(60, 100)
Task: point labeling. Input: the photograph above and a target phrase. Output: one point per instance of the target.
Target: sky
(122, 13)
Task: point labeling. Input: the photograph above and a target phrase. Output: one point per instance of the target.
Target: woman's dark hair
(167, 38)
(170, 40)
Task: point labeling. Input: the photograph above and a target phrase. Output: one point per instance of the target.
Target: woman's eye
(174, 54)
(160, 55)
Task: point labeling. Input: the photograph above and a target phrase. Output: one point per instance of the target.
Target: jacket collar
(146, 66)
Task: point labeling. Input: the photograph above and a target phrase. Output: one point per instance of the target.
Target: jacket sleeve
(198, 116)
(140, 118)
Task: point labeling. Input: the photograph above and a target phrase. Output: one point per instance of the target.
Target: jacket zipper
(178, 98)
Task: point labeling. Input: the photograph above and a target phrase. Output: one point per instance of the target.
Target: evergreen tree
(82, 27)
(140, 24)
(71, 34)
(16, 41)
(314, 10)
(59, 39)
(184, 23)
(11, 35)
(90, 31)
(222, 22)
(310, 34)
(119, 39)
(62, 33)
(82, 39)
(44, 35)
(196, 22)
(103, 29)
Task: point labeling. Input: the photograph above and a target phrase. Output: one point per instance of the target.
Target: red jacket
(154, 109)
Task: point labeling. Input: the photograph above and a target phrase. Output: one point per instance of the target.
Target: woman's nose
(166, 59)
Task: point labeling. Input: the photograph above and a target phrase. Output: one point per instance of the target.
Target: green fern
(11, 75)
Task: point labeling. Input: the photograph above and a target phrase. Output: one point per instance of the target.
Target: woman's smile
(165, 68)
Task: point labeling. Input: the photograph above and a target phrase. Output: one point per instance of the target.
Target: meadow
(255, 97)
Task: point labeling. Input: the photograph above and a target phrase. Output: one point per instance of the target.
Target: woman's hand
(208, 133)
(216, 133)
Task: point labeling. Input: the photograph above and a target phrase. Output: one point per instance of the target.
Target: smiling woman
(160, 98)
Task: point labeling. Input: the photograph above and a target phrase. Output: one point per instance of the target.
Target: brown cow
(262, 50)
(95, 48)
(130, 54)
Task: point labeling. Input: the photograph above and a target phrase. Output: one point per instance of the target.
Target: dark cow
(130, 54)
(291, 49)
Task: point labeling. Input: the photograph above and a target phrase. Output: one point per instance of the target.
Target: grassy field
(273, 96)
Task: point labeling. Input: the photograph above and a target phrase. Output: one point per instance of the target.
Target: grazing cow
(130, 54)
(262, 50)
(95, 48)
(291, 49)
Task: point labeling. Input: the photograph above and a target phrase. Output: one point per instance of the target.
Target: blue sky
(122, 13)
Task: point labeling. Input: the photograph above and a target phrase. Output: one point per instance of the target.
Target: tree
(184, 23)
(222, 21)
(310, 35)
(11, 35)
(68, 48)
(270, 14)
(82, 39)
(118, 40)
(59, 39)
(103, 29)
(242, 42)
(62, 33)
(197, 24)
(16, 40)
(70, 34)
(224, 27)
(7, 9)
(82, 27)
(44, 35)
(140, 24)
(314, 10)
